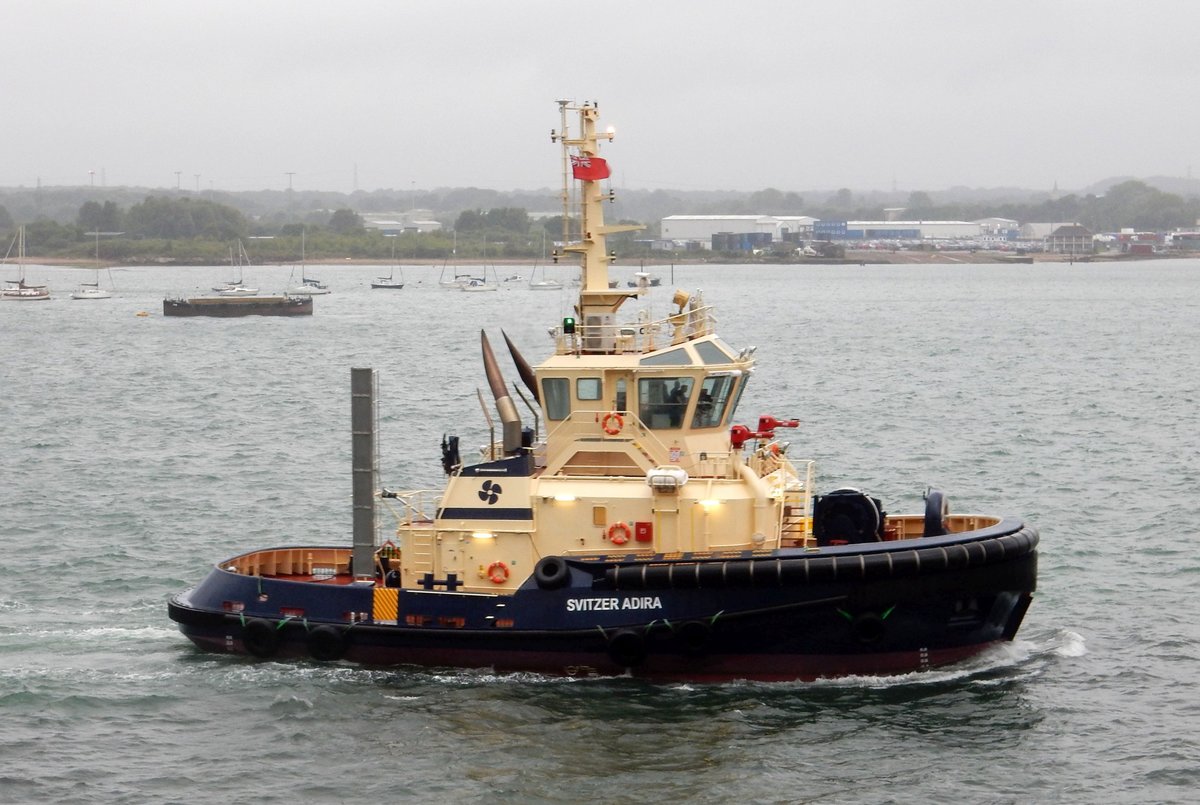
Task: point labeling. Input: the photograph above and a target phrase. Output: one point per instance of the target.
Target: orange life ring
(619, 533)
(497, 572)
(612, 423)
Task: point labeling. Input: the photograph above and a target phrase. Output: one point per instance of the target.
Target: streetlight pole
(290, 174)
(177, 179)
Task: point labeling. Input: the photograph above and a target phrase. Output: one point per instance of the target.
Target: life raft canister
(619, 533)
(497, 572)
(612, 423)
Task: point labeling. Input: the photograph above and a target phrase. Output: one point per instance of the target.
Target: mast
(598, 303)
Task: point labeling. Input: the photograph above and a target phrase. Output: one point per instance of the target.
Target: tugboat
(646, 533)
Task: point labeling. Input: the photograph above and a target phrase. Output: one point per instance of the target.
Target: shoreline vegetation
(853, 257)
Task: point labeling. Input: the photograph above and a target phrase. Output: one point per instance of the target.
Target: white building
(396, 223)
(700, 229)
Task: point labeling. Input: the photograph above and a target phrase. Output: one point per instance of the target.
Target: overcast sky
(744, 95)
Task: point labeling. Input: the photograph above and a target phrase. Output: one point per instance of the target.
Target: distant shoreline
(853, 257)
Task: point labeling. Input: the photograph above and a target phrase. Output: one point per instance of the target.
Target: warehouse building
(896, 230)
(698, 231)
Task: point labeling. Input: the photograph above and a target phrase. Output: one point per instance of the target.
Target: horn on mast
(510, 420)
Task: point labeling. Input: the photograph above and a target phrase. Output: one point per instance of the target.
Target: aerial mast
(597, 302)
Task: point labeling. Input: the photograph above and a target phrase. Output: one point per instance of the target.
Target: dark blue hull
(788, 614)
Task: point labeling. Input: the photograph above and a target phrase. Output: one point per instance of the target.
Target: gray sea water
(135, 451)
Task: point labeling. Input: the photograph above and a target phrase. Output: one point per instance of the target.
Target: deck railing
(634, 338)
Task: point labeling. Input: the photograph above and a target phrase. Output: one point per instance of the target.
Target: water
(136, 451)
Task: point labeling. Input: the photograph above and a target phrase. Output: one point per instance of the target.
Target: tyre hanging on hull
(325, 644)
(868, 628)
(627, 648)
(551, 572)
(260, 638)
(693, 637)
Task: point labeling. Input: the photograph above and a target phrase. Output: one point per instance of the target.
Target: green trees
(345, 222)
(514, 220)
(181, 218)
(96, 217)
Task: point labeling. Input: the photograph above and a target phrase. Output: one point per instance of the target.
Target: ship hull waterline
(781, 615)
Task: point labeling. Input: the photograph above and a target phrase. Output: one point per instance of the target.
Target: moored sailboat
(236, 286)
(19, 290)
(645, 532)
(309, 286)
(92, 290)
(391, 281)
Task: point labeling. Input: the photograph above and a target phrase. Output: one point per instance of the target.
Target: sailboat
(309, 286)
(235, 287)
(390, 281)
(456, 280)
(92, 290)
(481, 283)
(18, 290)
(545, 283)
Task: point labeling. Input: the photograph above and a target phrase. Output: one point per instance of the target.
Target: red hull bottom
(723, 668)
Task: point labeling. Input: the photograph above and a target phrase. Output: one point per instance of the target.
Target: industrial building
(699, 230)
(397, 223)
(896, 230)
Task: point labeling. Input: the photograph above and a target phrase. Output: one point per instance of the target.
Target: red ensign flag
(589, 169)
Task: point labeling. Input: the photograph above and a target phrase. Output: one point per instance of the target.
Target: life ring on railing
(619, 533)
(497, 572)
(612, 423)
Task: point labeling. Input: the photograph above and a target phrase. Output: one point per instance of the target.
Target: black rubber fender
(260, 638)
(937, 508)
(551, 572)
(627, 648)
(868, 627)
(325, 644)
(693, 637)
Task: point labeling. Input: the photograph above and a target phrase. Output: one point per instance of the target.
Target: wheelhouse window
(556, 391)
(588, 388)
(662, 401)
(713, 400)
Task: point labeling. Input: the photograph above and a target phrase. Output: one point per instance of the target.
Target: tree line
(189, 228)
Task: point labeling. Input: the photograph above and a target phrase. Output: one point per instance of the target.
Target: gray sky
(704, 95)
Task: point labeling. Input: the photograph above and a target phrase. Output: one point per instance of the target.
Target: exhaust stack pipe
(510, 420)
(523, 367)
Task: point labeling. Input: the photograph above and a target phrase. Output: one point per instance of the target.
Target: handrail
(412, 502)
(637, 337)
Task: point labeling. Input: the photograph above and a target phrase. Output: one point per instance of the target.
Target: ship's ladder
(795, 523)
(419, 553)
